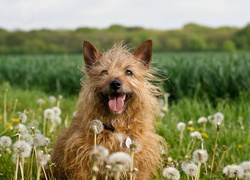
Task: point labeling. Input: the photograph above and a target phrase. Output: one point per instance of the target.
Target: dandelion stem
(21, 168)
(197, 176)
(5, 106)
(38, 172)
(215, 147)
(17, 165)
(95, 133)
(44, 172)
(132, 164)
(14, 108)
(222, 157)
(44, 126)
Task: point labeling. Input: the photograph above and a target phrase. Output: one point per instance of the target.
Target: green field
(200, 85)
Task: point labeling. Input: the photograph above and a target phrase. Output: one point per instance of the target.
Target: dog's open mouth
(116, 102)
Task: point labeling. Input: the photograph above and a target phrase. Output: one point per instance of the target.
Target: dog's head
(117, 77)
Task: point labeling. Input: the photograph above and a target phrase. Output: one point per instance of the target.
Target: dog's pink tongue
(116, 104)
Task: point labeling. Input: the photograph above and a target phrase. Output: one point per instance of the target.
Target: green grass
(200, 84)
(214, 75)
(231, 134)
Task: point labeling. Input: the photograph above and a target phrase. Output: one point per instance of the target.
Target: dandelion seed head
(22, 149)
(195, 135)
(39, 140)
(22, 129)
(5, 141)
(22, 117)
(190, 123)
(101, 153)
(202, 120)
(57, 111)
(49, 113)
(42, 159)
(40, 101)
(181, 126)
(233, 171)
(171, 173)
(200, 156)
(246, 167)
(120, 158)
(96, 125)
(52, 99)
(28, 139)
(190, 169)
(8, 150)
(56, 120)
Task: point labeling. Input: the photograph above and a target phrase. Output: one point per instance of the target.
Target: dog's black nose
(115, 84)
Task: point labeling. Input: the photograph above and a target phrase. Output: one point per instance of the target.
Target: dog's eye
(104, 72)
(129, 73)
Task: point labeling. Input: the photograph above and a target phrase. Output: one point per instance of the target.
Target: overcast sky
(156, 14)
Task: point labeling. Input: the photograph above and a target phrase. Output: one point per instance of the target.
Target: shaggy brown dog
(117, 91)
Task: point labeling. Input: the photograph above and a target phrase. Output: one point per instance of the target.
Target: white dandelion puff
(42, 159)
(56, 120)
(40, 101)
(49, 113)
(200, 156)
(246, 167)
(22, 149)
(120, 158)
(101, 153)
(22, 129)
(190, 169)
(57, 111)
(22, 117)
(96, 125)
(52, 99)
(5, 141)
(181, 126)
(190, 123)
(39, 140)
(171, 173)
(195, 135)
(28, 139)
(202, 120)
(233, 171)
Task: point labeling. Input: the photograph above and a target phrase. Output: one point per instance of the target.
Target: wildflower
(190, 128)
(22, 149)
(181, 126)
(101, 153)
(40, 101)
(190, 169)
(246, 167)
(96, 125)
(49, 113)
(28, 139)
(42, 159)
(39, 140)
(233, 171)
(5, 141)
(15, 120)
(195, 135)
(56, 120)
(217, 118)
(171, 173)
(205, 135)
(240, 146)
(120, 158)
(200, 156)
(22, 129)
(8, 150)
(57, 111)
(22, 117)
(52, 99)
(202, 120)
(190, 123)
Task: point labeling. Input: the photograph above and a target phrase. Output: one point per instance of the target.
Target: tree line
(192, 37)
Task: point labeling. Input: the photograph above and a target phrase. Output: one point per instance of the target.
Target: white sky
(156, 14)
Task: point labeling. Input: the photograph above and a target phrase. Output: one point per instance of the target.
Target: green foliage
(191, 37)
(214, 75)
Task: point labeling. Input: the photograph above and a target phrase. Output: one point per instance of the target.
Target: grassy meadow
(195, 85)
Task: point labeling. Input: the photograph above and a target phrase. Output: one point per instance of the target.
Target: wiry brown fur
(71, 152)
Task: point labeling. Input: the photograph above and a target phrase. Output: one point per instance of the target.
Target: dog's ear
(90, 53)
(144, 53)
